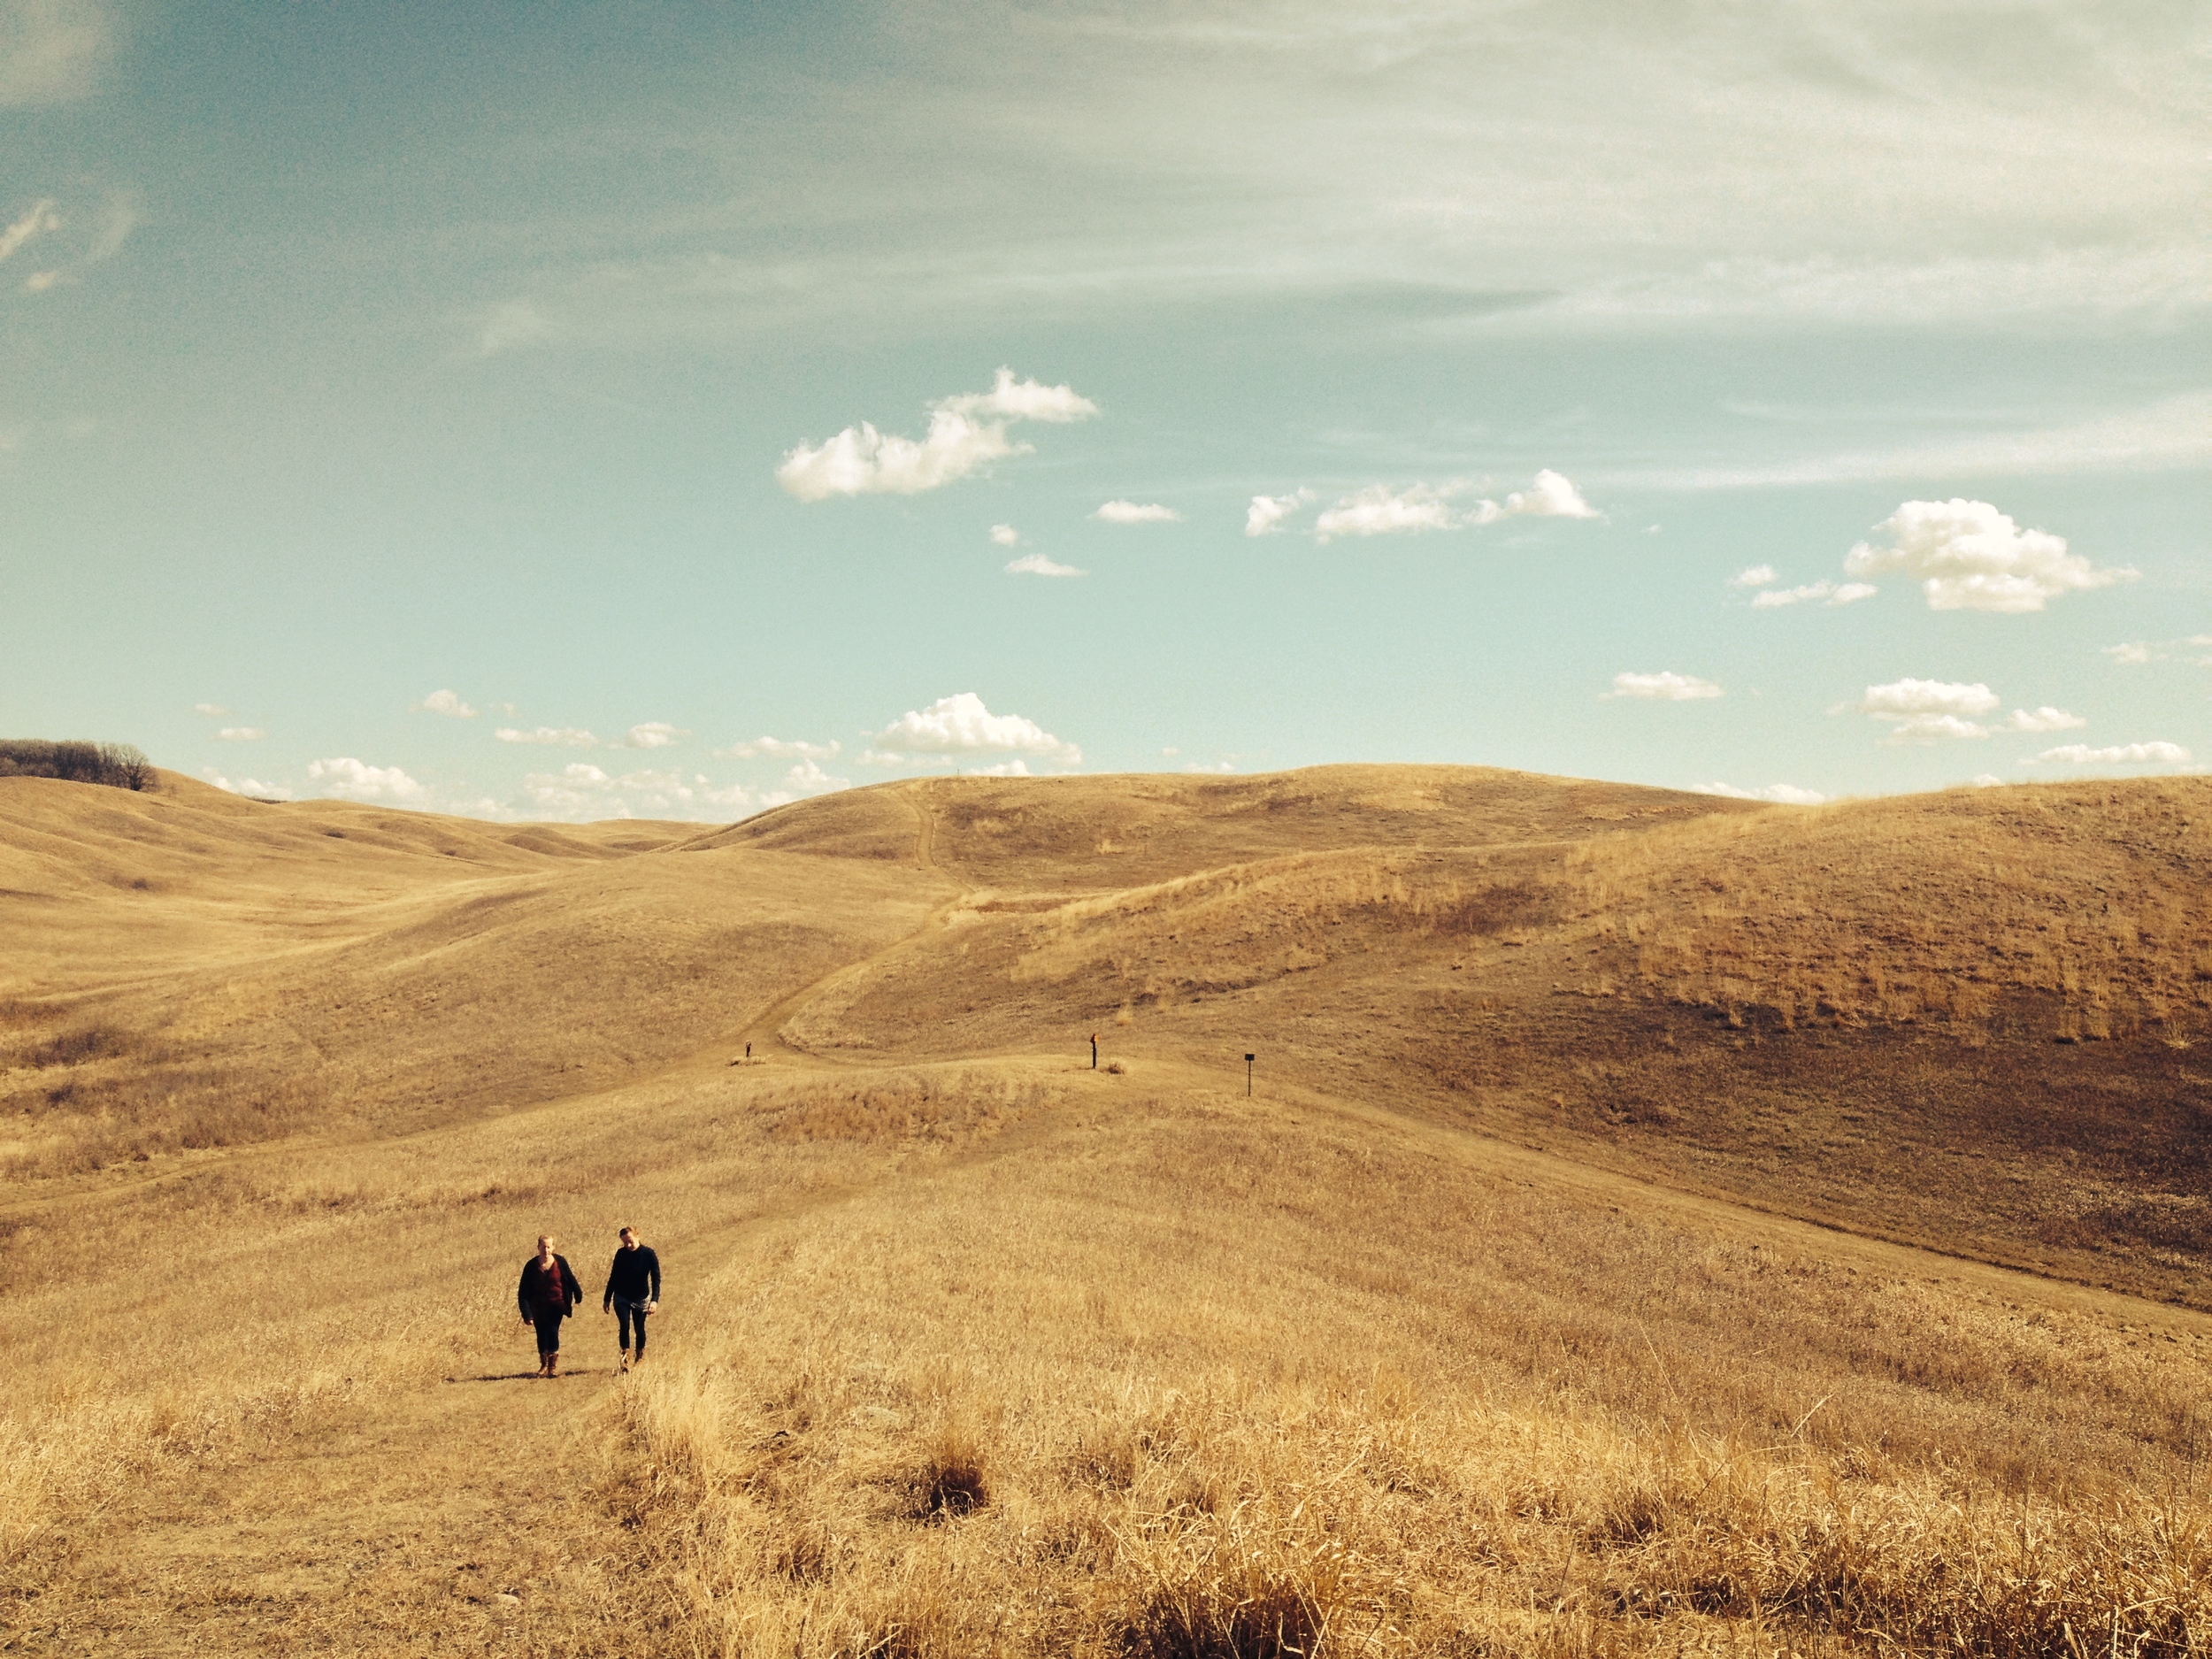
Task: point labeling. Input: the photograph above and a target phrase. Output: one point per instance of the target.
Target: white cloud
(1988, 780)
(960, 725)
(1004, 769)
(1757, 576)
(582, 792)
(965, 433)
(1664, 686)
(883, 757)
(39, 219)
(1211, 768)
(252, 787)
(2119, 753)
(1010, 399)
(509, 324)
(562, 736)
(447, 703)
(1824, 592)
(1038, 565)
(1379, 509)
(52, 52)
(652, 734)
(1929, 711)
(1970, 556)
(1005, 535)
(2159, 650)
(1134, 512)
(39, 281)
(350, 778)
(807, 778)
(2044, 719)
(1552, 495)
(1785, 794)
(240, 734)
(776, 749)
(2128, 654)
(1267, 514)
(209, 708)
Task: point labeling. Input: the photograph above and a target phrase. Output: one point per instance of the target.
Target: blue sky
(527, 411)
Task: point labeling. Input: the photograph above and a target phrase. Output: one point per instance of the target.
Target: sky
(666, 411)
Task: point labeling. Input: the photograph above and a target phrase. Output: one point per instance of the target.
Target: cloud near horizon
(966, 432)
(960, 725)
(354, 780)
(1663, 687)
(1928, 710)
(1134, 512)
(1970, 557)
(1783, 794)
(2117, 755)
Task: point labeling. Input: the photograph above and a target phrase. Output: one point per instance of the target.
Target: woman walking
(548, 1294)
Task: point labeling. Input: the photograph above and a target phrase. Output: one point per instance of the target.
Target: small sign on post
(1248, 1074)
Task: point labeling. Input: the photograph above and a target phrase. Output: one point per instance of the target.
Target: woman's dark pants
(549, 1322)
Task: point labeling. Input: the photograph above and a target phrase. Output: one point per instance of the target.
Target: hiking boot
(626, 1359)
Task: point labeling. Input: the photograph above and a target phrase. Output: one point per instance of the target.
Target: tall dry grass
(1216, 1384)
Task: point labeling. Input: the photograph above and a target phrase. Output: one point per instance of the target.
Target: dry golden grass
(1454, 1338)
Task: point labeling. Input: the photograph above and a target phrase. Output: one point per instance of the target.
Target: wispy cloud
(1038, 565)
(2173, 432)
(653, 734)
(52, 52)
(966, 433)
(1826, 592)
(1005, 535)
(1134, 512)
(1665, 685)
(1757, 576)
(778, 749)
(582, 792)
(240, 734)
(511, 324)
(210, 708)
(39, 219)
(2157, 753)
(1970, 556)
(447, 703)
(252, 787)
(560, 736)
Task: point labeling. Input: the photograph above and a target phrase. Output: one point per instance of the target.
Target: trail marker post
(1248, 1074)
(1094, 1051)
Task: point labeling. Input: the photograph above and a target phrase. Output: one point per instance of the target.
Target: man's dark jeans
(627, 1313)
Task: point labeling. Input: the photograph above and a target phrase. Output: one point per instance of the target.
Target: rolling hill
(1654, 1213)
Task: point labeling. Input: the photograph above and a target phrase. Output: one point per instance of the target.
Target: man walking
(633, 1290)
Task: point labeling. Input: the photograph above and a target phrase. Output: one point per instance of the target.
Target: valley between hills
(1657, 1223)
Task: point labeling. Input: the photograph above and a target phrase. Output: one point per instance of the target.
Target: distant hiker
(633, 1290)
(1094, 1051)
(748, 1051)
(548, 1294)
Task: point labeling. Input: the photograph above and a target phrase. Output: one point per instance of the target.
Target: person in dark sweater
(548, 1294)
(633, 1290)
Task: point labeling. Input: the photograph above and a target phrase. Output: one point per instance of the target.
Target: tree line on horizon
(120, 765)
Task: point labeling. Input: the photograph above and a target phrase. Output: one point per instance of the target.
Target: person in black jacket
(633, 1290)
(548, 1294)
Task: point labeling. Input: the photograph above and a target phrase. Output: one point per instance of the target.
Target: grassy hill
(1660, 1221)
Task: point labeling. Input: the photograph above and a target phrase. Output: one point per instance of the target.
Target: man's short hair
(627, 1232)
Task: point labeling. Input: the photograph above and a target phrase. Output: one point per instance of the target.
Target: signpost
(1248, 1074)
